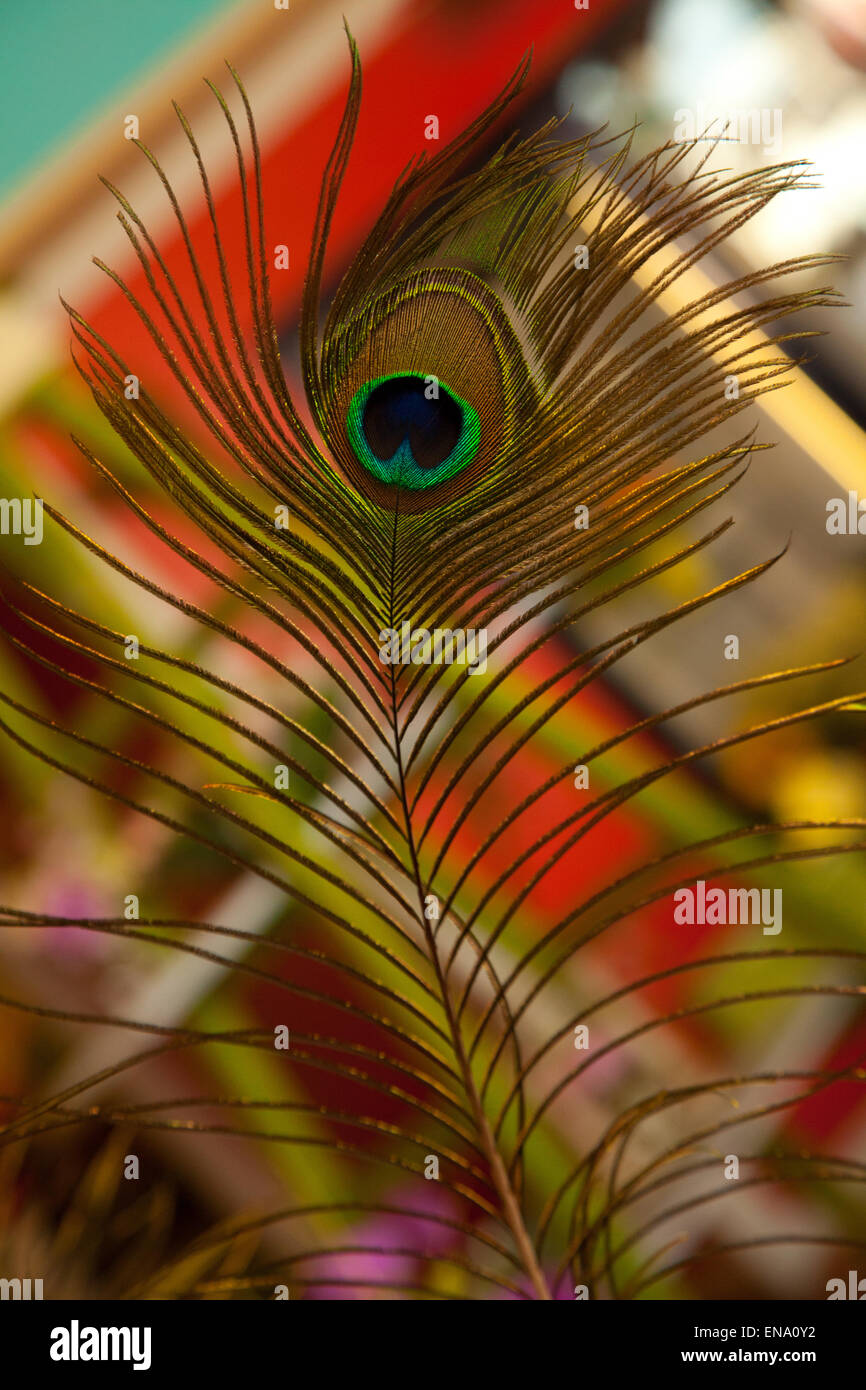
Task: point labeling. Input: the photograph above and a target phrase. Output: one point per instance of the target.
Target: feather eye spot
(407, 431)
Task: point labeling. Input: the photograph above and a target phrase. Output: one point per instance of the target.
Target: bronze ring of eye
(411, 430)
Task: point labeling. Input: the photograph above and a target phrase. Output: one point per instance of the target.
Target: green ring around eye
(448, 413)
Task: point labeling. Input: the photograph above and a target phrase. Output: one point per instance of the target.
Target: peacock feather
(397, 574)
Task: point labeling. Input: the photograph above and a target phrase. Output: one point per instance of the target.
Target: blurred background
(71, 74)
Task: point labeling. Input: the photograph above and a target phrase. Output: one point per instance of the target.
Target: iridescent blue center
(412, 430)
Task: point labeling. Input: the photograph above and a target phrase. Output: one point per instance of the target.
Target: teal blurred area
(54, 78)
